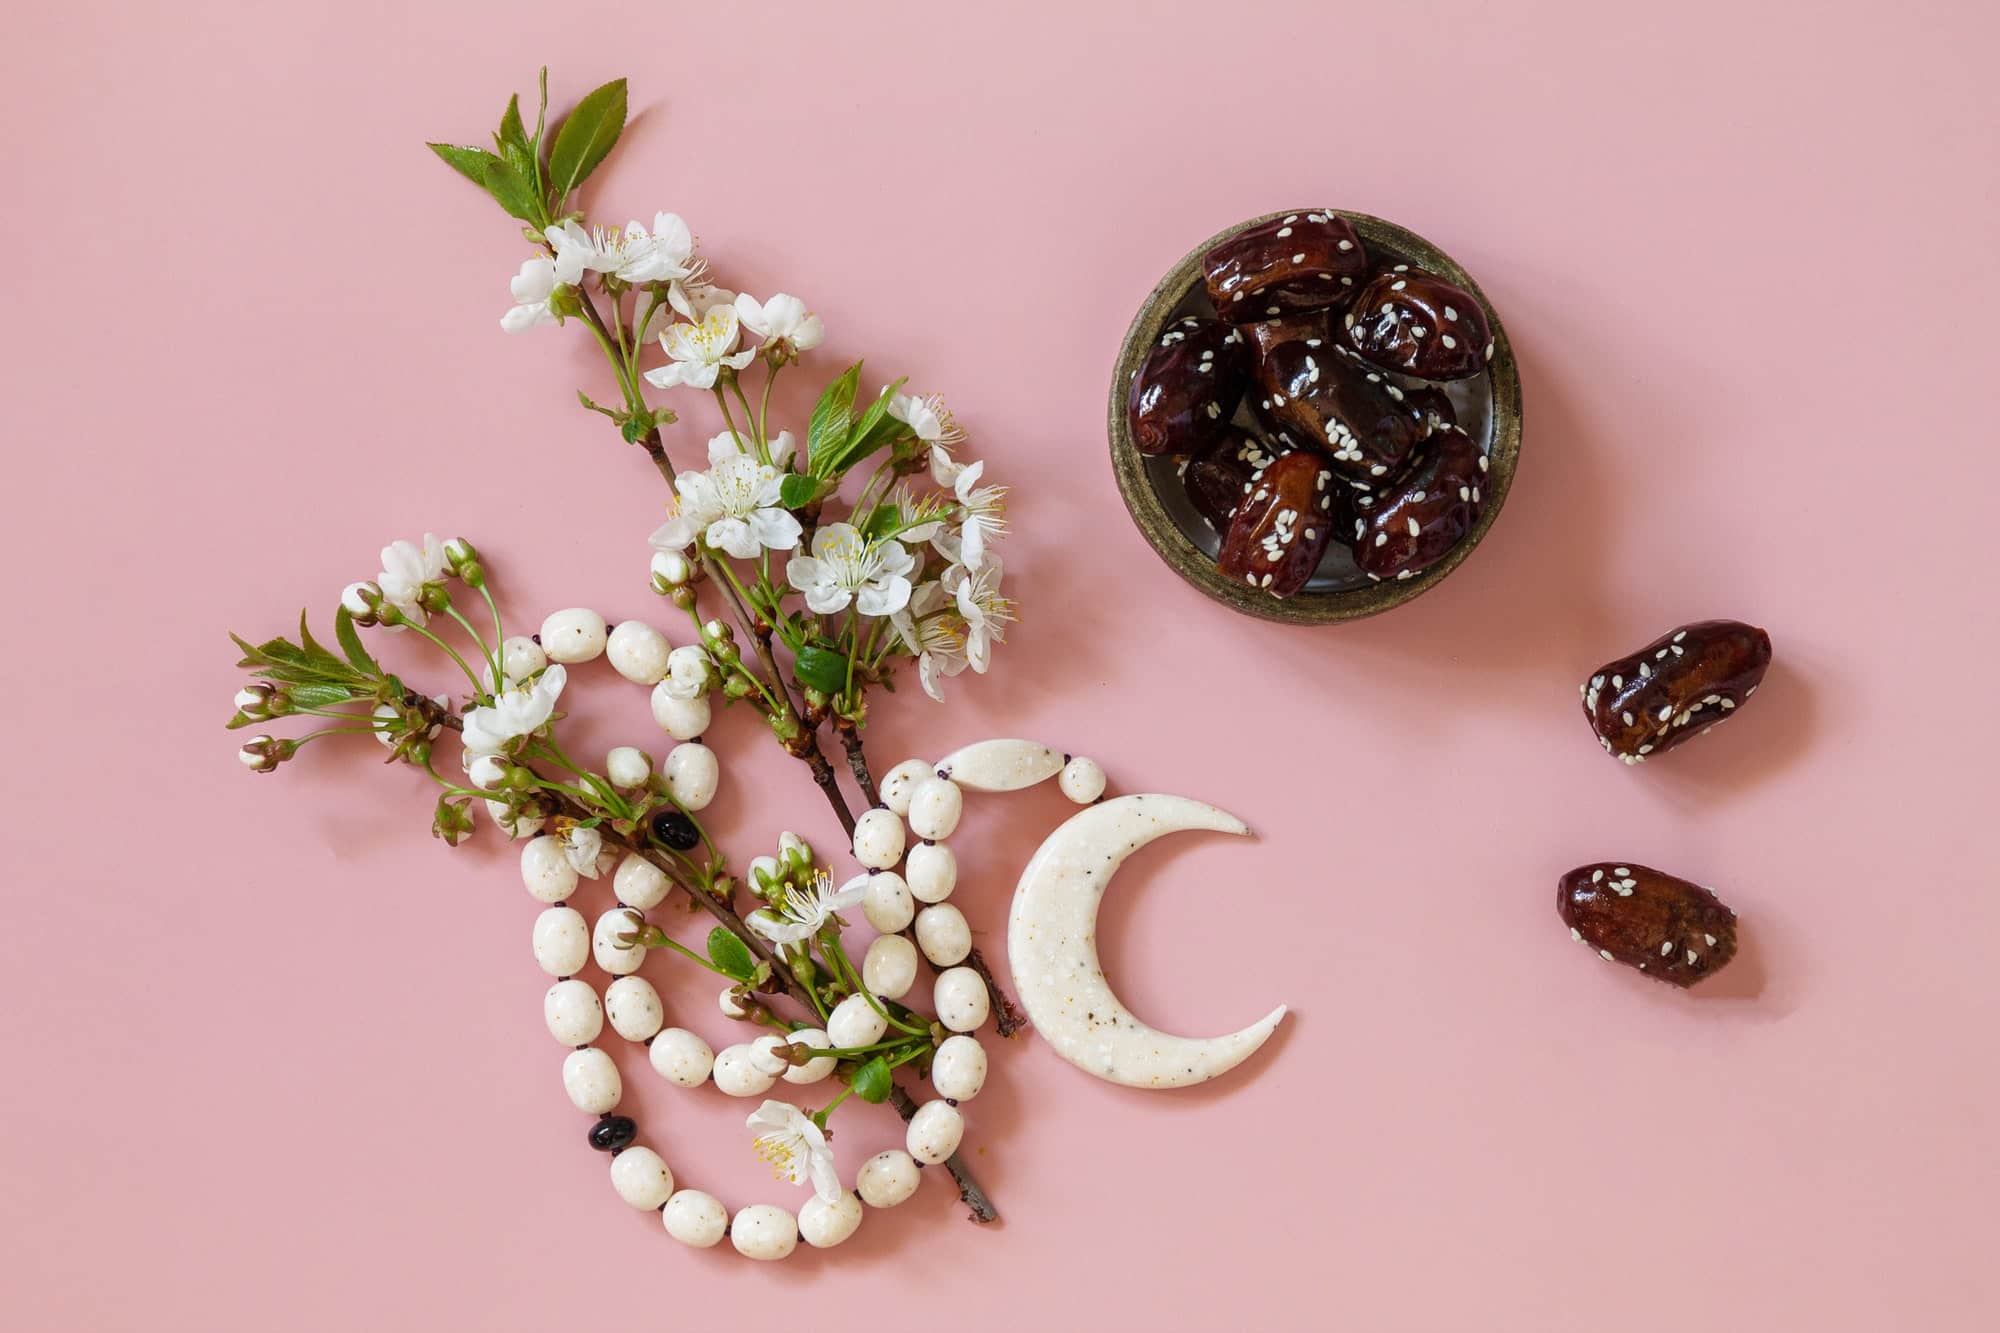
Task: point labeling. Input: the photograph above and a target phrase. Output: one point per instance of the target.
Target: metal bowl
(1488, 406)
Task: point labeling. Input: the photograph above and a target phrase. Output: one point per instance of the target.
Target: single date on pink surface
(1415, 323)
(1670, 929)
(1675, 688)
(1365, 425)
(1282, 527)
(1301, 261)
(1410, 524)
(1183, 396)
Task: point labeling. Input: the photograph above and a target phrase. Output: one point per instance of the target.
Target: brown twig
(857, 762)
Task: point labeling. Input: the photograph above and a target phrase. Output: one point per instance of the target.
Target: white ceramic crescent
(1052, 949)
(1001, 765)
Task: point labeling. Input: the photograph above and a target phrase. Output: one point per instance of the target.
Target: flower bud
(765, 876)
(671, 570)
(795, 854)
(458, 553)
(434, 598)
(363, 602)
(628, 767)
(417, 750)
(262, 754)
(736, 687)
(565, 300)
(253, 701)
(717, 631)
(486, 771)
(684, 597)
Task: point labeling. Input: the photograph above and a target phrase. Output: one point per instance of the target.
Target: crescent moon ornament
(1052, 949)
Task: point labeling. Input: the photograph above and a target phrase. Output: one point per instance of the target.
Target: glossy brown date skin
(1281, 528)
(1364, 424)
(1416, 323)
(1675, 688)
(1309, 260)
(1219, 476)
(1406, 527)
(1668, 928)
(1188, 387)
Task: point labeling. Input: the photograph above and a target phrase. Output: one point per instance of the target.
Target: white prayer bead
(943, 935)
(639, 883)
(771, 1054)
(692, 775)
(812, 1071)
(628, 767)
(546, 870)
(641, 1178)
(935, 807)
(890, 966)
(681, 1057)
(615, 958)
(935, 1131)
(900, 784)
(1082, 780)
(960, 999)
(878, 839)
(591, 1081)
(887, 1179)
(958, 1070)
(514, 826)
(562, 941)
(887, 903)
(931, 870)
(695, 1218)
(521, 657)
(572, 1012)
(854, 1022)
(683, 719)
(764, 1231)
(575, 635)
(824, 1225)
(634, 1008)
(638, 652)
(736, 1072)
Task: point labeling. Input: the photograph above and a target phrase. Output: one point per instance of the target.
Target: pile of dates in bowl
(1315, 416)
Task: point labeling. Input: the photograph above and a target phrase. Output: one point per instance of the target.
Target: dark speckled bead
(676, 830)
(613, 1133)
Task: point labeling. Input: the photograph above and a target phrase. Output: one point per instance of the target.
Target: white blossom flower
(846, 567)
(795, 1147)
(933, 635)
(782, 321)
(807, 909)
(406, 568)
(986, 612)
(700, 350)
(734, 507)
(531, 287)
(581, 848)
(664, 254)
(982, 519)
(932, 422)
(515, 711)
(697, 296)
(687, 672)
(729, 444)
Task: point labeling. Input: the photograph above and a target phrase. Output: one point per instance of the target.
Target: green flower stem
(670, 942)
(829, 946)
(489, 655)
(729, 423)
(764, 405)
(478, 685)
(857, 1052)
(499, 636)
(749, 420)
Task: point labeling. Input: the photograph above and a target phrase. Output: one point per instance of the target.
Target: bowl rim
(1178, 551)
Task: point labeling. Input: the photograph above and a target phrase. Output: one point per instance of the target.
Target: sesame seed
(1575, 934)
(1605, 954)
(1299, 258)
(1284, 232)
(1693, 957)
(1666, 947)
(1450, 314)
(1346, 245)
(1711, 938)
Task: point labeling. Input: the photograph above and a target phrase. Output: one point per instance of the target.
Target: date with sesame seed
(1665, 926)
(1415, 323)
(1282, 527)
(1309, 260)
(1407, 526)
(1188, 388)
(1219, 476)
(1363, 423)
(1675, 688)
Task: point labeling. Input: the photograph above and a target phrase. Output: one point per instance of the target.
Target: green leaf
(316, 694)
(586, 136)
(875, 424)
(821, 668)
(350, 643)
(307, 640)
(832, 418)
(468, 162)
(512, 192)
(797, 490)
(881, 519)
(512, 132)
(871, 1082)
(730, 954)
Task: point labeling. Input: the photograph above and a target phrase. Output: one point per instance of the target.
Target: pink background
(273, 1057)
